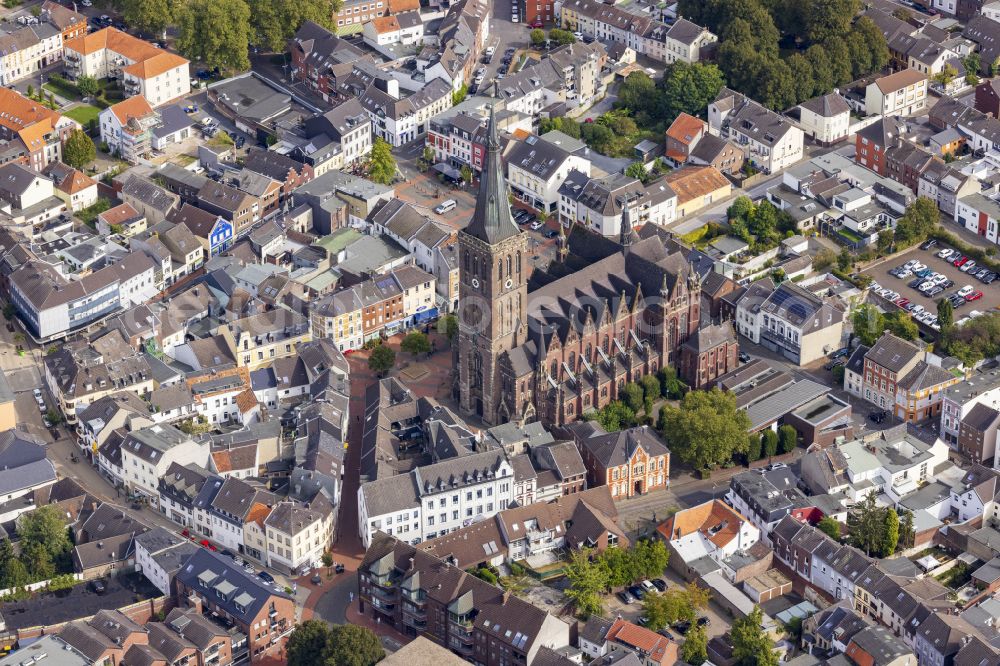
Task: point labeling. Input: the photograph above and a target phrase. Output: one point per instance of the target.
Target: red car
(974, 296)
(961, 260)
(902, 302)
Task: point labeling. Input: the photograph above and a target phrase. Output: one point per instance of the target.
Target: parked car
(833, 364)
(935, 291)
(974, 296)
(536, 225)
(636, 591)
(878, 416)
(928, 244)
(682, 627)
(967, 266)
(965, 291)
(648, 586)
(98, 586)
(960, 260)
(266, 577)
(625, 597)
(659, 584)
(316, 579)
(338, 568)
(744, 357)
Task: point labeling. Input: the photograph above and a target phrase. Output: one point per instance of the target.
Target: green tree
(865, 525)
(972, 66)
(15, 574)
(907, 533)
(614, 416)
(216, 32)
(152, 16)
(707, 428)
(840, 60)
(651, 388)
(824, 259)
(273, 22)
(788, 437)
(622, 567)
(353, 645)
(901, 325)
(466, 174)
(638, 171)
(37, 560)
(631, 394)
(79, 150)
(995, 67)
(946, 75)
(561, 37)
(651, 557)
(751, 646)
(327, 559)
(459, 95)
(46, 526)
(884, 243)
(830, 18)
(694, 651)
(829, 526)
(845, 259)
(769, 443)
(919, 220)
(381, 360)
(945, 314)
(890, 532)
(755, 448)
(657, 610)
(587, 580)
(30, 91)
(670, 384)
(537, 37)
(88, 86)
(448, 325)
(802, 77)
(383, 165)
(689, 88)
(822, 69)
(416, 342)
(867, 323)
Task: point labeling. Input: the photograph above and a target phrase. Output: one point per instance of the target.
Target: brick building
(631, 462)
(708, 354)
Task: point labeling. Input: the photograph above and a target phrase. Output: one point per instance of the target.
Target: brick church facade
(559, 351)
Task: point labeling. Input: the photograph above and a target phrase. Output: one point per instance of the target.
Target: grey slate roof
(219, 579)
(617, 448)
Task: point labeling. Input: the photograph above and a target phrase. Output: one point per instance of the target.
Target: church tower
(492, 290)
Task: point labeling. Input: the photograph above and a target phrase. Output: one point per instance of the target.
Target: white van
(445, 206)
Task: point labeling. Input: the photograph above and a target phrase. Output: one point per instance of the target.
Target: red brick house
(630, 462)
(871, 143)
(708, 354)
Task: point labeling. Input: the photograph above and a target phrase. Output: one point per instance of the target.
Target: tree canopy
(685, 88)
(751, 646)
(79, 150)
(382, 359)
(873, 529)
(823, 44)
(316, 643)
(273, 22)
(416, 342)
(706, 429)
(382, 167)
(215, 32)
(919, 220)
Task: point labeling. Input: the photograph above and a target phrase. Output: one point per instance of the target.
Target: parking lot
(881, 274)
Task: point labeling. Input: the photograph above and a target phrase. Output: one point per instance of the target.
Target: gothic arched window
(509, 262)
(518, 261)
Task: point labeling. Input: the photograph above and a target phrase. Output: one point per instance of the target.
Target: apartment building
(959, 400)
(127, 128)
(789, 320)
(40, 130)
(770, 141)
(436, 499)
(212, 585)
(826, 119)
(259, 339)
(224, 396)
(536, 168)
(147, 453)
(417, 593)
(157, 75)
(901, 94)
(896, 376)
(338, 316)
(298, 534)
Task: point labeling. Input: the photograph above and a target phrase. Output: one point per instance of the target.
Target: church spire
(563, 243)
(492, 222)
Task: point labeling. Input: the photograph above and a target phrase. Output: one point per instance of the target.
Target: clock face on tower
(509, 283)
(475, 283)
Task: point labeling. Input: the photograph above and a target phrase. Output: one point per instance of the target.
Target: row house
(770, 141)
(959, 401)
(38, 43)
(336, 139)
(317, 53)
(258, 340)
(436, 499)
(157, 75)
(399, 120)
(946, 186)
(298, 534)
(240, 208)
(901, 94)
(418, 594)
(712, 529)
(765, 497)
(39, 130)
(282, 169)
(463, 34)
(644, 35)
(337, 316)
(599, 203)
(979, 214)
(75, 188)
(818, 559)
(537, 168)
(897, 377)
(147, 453)
(212, 585)
(52, 306)
(224, 397)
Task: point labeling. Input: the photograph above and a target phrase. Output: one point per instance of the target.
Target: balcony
(132, 87)
(776, 339)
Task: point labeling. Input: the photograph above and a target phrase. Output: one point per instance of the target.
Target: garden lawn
(63, 88)
(83, 113)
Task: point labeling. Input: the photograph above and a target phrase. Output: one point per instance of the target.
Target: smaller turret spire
(627, 233)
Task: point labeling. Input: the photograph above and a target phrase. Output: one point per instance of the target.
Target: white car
(911, 264)
(536, 225)
(939, 278)
(965, 291)
(917, 267)
(967, 266)
(490, 50)
(579, 37)
(945, 253)
(513, 18)
(875, 286)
